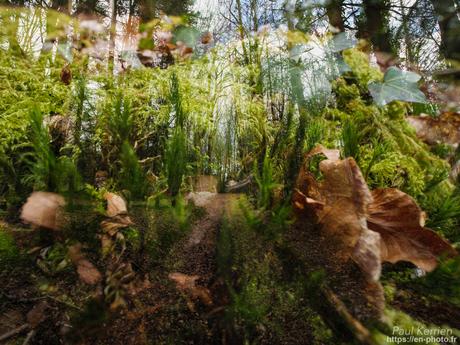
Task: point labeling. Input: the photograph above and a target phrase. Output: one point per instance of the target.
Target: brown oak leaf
(87, 272)
(187, 284)
(363, 226)
(399, 221)
(116, 205)
(44, 209)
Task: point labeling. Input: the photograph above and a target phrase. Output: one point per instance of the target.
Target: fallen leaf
(113, 225)
(367, 254)
(37, 314)
(399, 221)
(338, 202)
(44, 209)
(433, 130)
(88, 273)
(363, 226)
(116, 205)
(187, 284)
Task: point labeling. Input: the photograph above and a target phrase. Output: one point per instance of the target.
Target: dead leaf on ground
(116, 205)
(399, 221)
(44, 209)
(187, 284)
(37, 314)
(385, 225)
(338, 202)
(433, 130)
(87, 272)
(113, 225)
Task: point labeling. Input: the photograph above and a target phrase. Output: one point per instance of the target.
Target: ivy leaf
(341, 42)
(397, 85)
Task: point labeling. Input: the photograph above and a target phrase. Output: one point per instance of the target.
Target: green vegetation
(135, 123)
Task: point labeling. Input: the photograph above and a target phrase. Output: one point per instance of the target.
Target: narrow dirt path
(197, 252)
(189, 307)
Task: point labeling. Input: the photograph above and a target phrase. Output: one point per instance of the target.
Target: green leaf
(397, 85)
(341, 42)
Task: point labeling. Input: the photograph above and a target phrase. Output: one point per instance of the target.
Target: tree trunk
(375, 27)
(449, 26)
(334, 13)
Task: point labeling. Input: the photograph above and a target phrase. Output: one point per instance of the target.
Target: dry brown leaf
(399, 221)
(88, 273)
(433, 130)
(385, 225)
(338, 202)
(367, 254)
(187, 284)
(106, 244)
(116, 205)
(44, 209)
(113, 225)
(37, 314)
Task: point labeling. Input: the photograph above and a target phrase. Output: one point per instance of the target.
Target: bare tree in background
(449, 26)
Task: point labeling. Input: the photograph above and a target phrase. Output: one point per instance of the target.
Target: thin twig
(29, 337)
(13, 332)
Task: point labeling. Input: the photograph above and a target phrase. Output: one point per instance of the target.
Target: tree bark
(449, 26)
(375, 27)
(334, 13)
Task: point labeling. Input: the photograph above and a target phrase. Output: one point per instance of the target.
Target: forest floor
(186, 297)
(185, 293)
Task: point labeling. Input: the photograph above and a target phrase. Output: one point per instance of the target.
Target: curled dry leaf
(385, 225)
(399, 221)
(112, 225)
(116, 205)
(338, 202)
(187, 284)
(44, 209)
(367, 254)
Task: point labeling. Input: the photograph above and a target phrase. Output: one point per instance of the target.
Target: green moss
(403, 161)
(344, 92)
(359, 64)
(444, 281)
(397, 110)
(9, 253)
(398, 171)
(389, 291)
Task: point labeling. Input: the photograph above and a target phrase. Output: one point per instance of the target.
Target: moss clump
(361, 69)
(9, 252)
(398, 171)
(402, 161)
